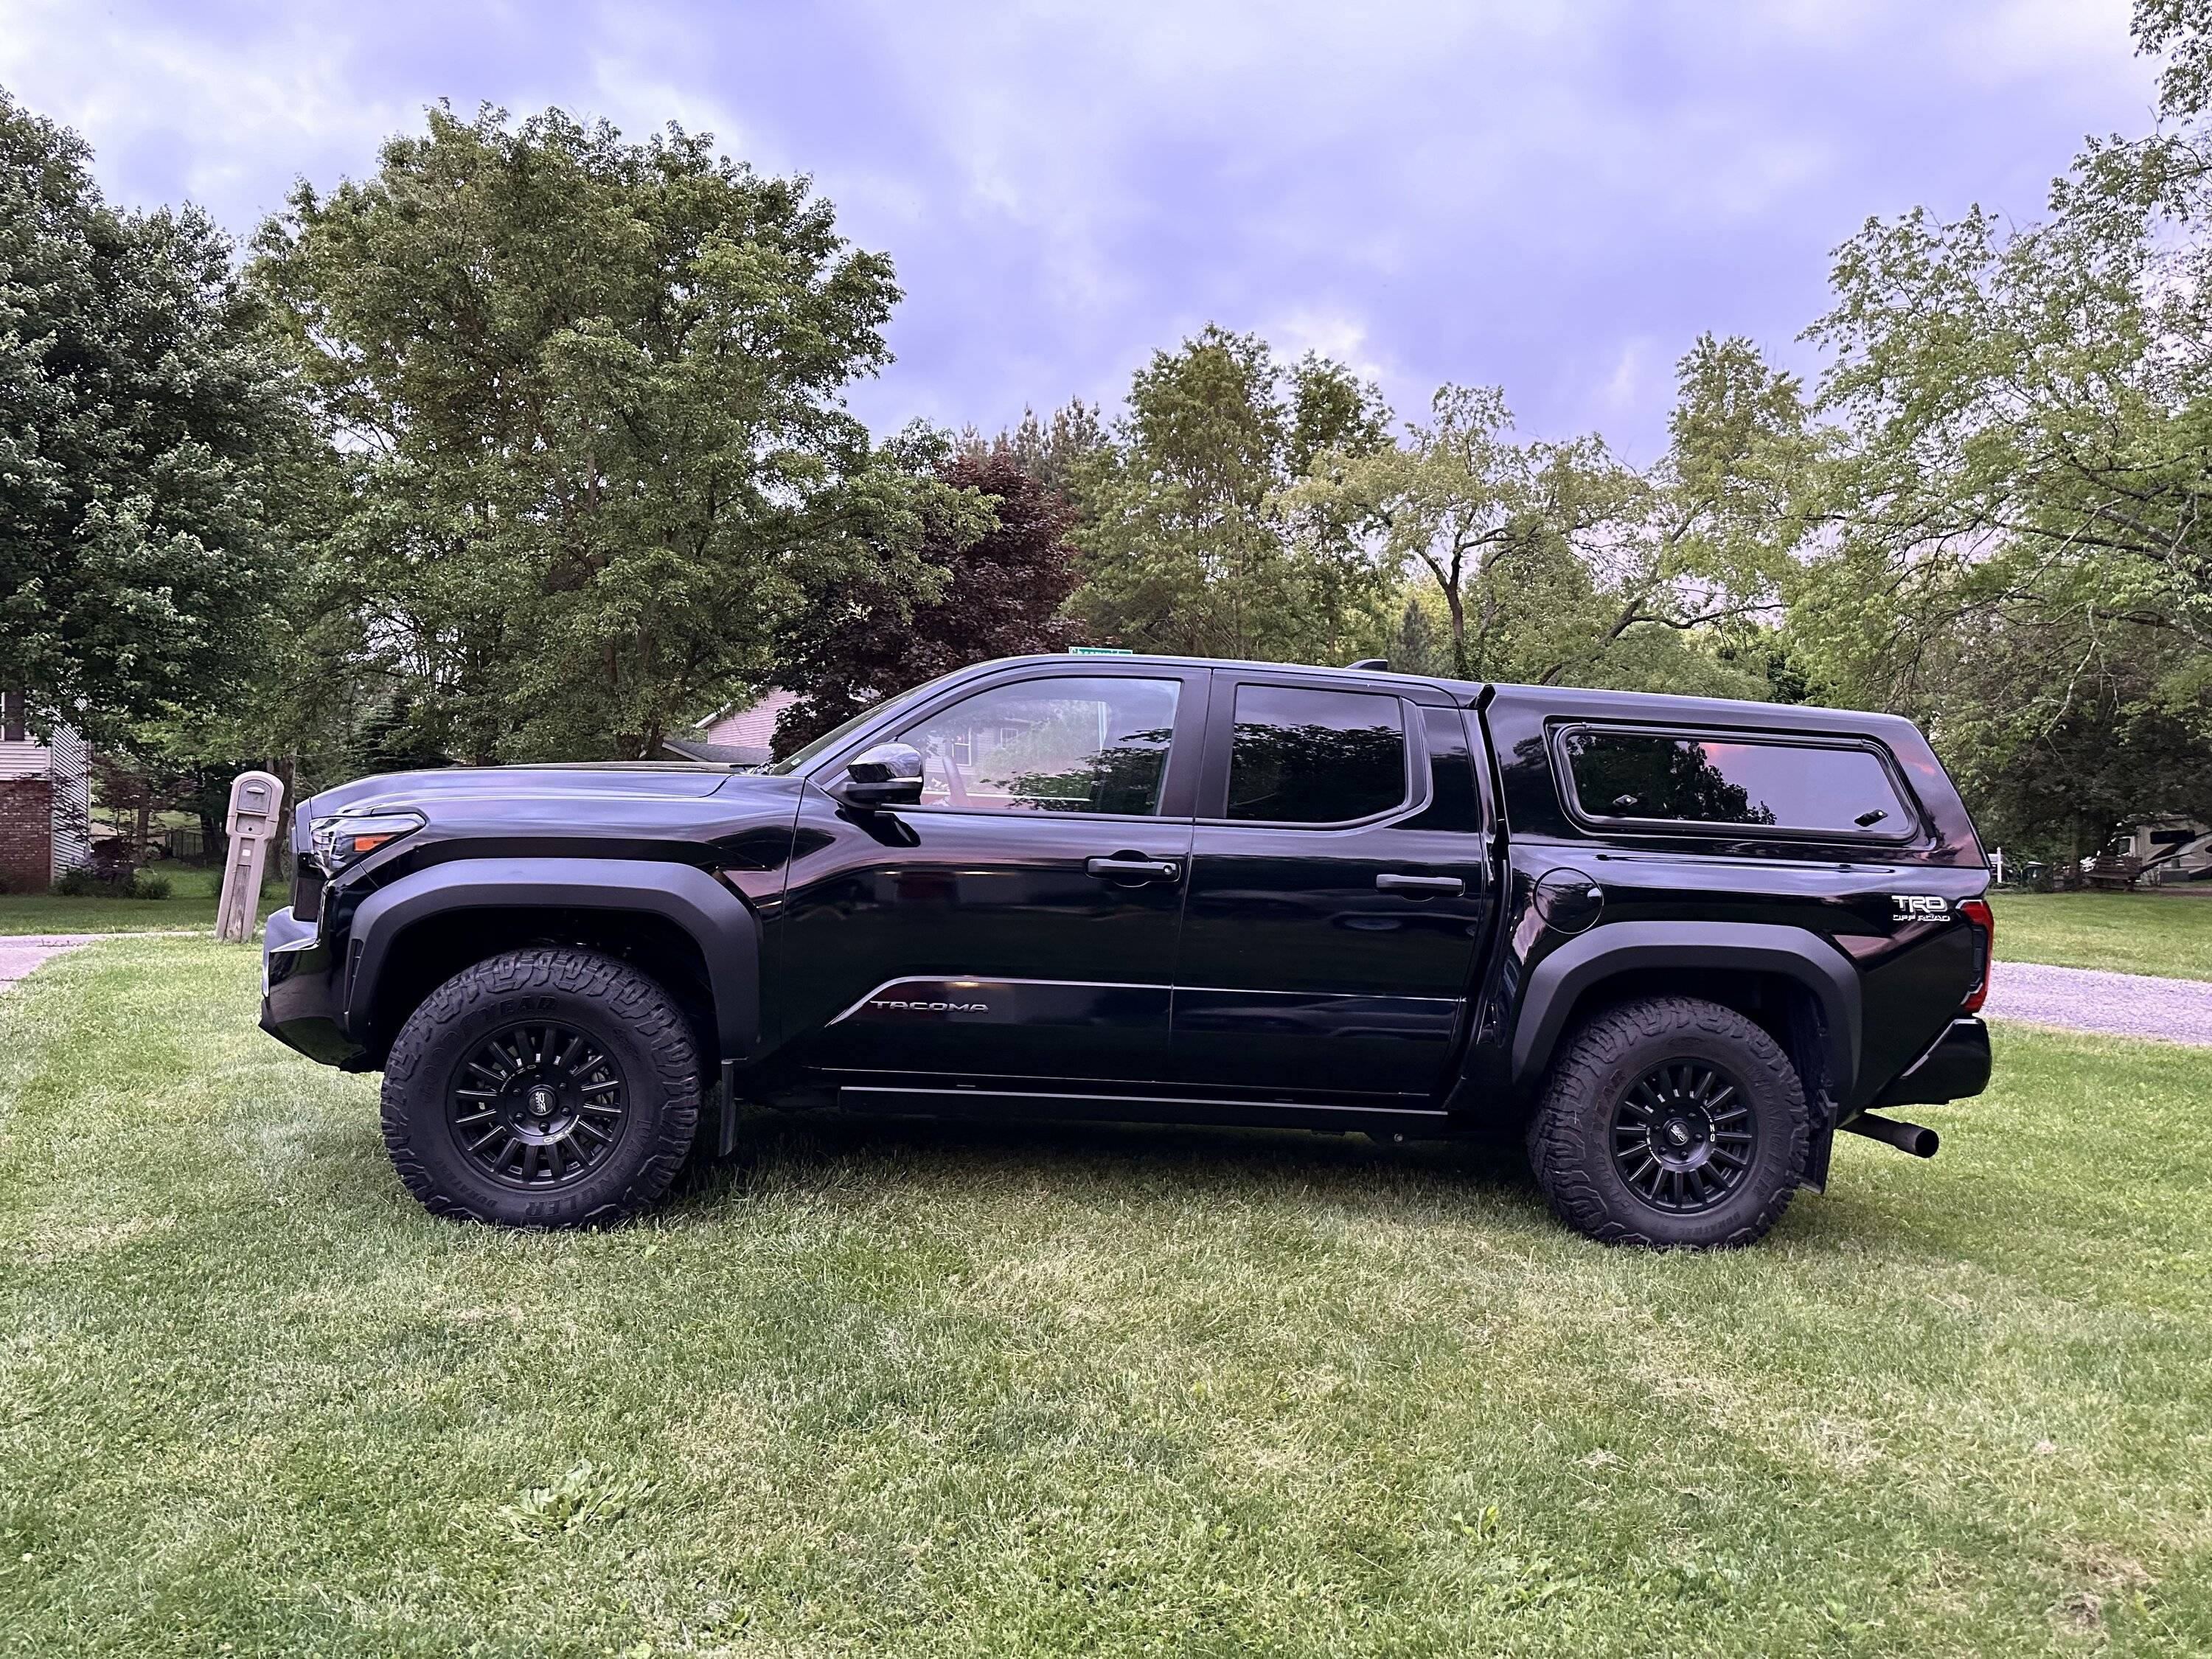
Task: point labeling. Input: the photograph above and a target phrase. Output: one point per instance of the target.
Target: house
(741, 734)
(45, 801)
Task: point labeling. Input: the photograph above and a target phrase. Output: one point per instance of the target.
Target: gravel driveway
(2114, 1005)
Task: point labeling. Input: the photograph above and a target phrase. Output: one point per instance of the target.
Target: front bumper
(1956, 1067)
(300, 1002)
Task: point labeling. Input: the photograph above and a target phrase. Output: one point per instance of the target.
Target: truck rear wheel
(1672, 1123)
(541, 1088)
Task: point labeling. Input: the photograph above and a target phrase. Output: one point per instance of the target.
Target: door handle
(1125, 867)
(1421, 886)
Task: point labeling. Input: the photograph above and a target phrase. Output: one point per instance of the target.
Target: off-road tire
(1571, 1137)
(641, 1028)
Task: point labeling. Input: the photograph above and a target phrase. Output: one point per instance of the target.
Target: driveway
(2111, 1004)
(23, 953)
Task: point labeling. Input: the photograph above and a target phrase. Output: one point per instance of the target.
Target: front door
(1340, 892)
(1022, 920)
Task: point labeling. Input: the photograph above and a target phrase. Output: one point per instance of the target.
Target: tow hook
(1895, 1131)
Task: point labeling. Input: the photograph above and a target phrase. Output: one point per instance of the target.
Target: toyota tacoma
(1671, 944)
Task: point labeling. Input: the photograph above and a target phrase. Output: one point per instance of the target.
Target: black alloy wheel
(537, 1105)
(1672, 1123)
(1684, 1137)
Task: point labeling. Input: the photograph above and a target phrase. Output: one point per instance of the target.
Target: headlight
(346, 837)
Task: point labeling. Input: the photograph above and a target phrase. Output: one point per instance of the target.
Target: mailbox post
(257, 815)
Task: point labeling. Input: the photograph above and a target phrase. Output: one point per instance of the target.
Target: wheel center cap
(541, 1100)
(1679, 1133)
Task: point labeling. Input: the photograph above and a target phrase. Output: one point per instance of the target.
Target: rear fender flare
(717, 922)
(1559, 982)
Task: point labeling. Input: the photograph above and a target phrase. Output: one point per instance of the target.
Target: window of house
(1307, 756)
(1063, 744)
(1802, 787)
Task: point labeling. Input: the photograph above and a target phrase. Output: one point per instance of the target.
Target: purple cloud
(1556, 199)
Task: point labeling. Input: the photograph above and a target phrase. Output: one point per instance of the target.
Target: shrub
(112, 881)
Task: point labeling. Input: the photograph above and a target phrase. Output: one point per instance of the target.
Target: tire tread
(626, 996)
(1573, 1111)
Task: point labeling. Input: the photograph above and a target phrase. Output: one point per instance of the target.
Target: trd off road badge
(1920, 906)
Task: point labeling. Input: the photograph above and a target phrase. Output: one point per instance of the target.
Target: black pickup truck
(1672, 944)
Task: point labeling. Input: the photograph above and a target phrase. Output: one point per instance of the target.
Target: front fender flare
(717, 922)
(1559, 980)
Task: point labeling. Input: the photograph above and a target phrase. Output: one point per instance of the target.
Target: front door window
(1073, 744)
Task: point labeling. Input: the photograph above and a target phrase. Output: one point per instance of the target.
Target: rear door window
(1303, 755)
(1802, 788)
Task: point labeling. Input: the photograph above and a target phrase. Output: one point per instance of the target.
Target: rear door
(1340, 889)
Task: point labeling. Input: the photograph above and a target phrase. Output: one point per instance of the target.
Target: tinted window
(1051, 745)
(1302, 756)
(1634, 774)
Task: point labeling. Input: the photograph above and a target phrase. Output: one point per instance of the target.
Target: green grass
(190, 904)
(2124, 932)
(930, 1391)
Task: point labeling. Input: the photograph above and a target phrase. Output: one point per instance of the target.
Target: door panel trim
(989, 999)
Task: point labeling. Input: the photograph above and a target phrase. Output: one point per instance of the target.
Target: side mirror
(889, 774)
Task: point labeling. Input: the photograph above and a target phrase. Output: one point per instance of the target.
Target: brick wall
(27, 847)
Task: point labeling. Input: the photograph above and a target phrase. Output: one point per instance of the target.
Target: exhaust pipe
(1906, 1137)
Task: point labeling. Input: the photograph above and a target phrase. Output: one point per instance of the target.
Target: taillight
(1984, 923)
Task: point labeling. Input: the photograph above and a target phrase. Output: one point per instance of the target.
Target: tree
(1553, 561)
(146, 432)
(1055, 453)
(1000, 595)
(590, 394)
(2019, 501)
(1189, 544)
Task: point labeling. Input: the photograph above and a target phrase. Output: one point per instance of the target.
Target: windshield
(799, 759)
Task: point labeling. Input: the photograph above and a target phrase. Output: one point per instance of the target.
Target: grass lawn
(190, 904)
(933, 1391)
(2125, 933)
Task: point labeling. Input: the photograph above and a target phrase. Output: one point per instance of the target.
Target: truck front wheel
(1672, 1123)
(541, 1088)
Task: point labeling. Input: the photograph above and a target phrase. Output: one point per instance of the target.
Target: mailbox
(256, 813)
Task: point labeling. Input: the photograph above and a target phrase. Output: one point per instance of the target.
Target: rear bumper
(1957, 1066)
(300, 992)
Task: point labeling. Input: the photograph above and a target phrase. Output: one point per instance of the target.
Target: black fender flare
(717, 922)
(1558, 981)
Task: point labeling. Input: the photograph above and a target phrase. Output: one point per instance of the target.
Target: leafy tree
(1556, 562)
(2018, 549)
(1001, 585)
(590, 394)
(146, 436)
(1055, 452)
(1189, 540)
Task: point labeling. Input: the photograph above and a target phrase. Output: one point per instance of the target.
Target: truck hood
(552, 812)
(523, 786)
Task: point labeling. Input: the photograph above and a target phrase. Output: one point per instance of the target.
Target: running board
(892, 1101)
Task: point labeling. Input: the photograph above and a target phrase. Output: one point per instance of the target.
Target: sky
(1555, 198)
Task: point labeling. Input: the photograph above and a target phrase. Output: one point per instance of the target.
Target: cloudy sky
(1553, 197)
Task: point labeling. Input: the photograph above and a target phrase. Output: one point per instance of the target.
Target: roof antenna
(1381, 664)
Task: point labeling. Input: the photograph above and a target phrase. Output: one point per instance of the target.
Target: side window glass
(1067, 745)
(1802, 787)
(1305, 756)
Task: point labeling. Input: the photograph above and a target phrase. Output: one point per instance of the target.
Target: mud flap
(1809, 1049)
(726, 1111)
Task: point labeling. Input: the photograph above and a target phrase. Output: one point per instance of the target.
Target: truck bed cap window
(1808, 788)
